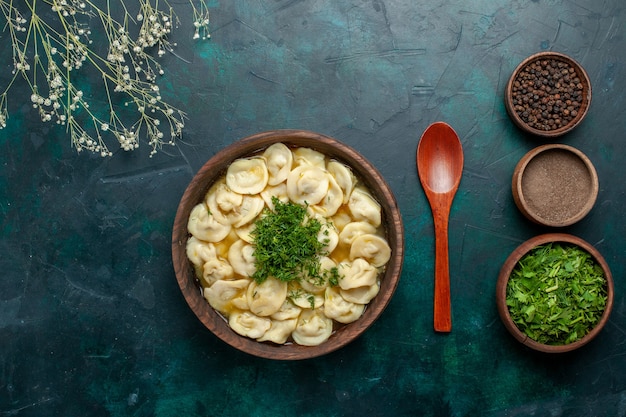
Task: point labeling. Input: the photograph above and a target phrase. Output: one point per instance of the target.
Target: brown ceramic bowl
(512, 261)
(555, 185)
(214, 168)
(542, 100)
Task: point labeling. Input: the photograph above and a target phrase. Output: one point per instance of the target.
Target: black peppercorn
(547, 94)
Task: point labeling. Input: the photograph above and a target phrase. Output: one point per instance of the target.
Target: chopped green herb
(286, 243)
(556, 293)
(332, 276)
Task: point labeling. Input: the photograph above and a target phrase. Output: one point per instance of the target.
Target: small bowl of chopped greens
(288, 244)
(555, 293)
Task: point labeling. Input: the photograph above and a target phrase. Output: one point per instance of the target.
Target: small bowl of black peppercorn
(548, 94)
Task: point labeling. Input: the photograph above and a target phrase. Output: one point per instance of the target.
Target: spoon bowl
(440, 166)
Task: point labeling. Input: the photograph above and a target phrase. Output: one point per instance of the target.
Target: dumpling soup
(288, 245)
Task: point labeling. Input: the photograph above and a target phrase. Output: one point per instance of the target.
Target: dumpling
(313, 328)
(279, 162)
(328, 236)
(338, 309)
(331, 202)
(247, 175)
(279, 331)
(341, 219)
(344, 177)
(358, 274)
(241, 258)
(245, 232)
(372, 248)
(266, 298)
(216, 269)
(287, 311)
(222, 201)
(240, 302)
(204, 226)
(250, 208)
(199, 252)
(308, 156)
(353, 230)
(361, 295)
(233, 208)
(221, 294)
(318, 284)
(312, 285)
(279, 191)
(307, 184)
(307, 300)
(364, 208)
(247, 324)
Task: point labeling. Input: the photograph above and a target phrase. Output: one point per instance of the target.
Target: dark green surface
(92, 322)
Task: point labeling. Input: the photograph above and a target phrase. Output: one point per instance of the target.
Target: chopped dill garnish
(333, 276)
(286, 243)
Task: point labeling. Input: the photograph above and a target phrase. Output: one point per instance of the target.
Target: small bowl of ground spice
(548, 94)
(555, 185)
(554, 293)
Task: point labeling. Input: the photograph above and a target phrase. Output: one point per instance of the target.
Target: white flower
(68, 52)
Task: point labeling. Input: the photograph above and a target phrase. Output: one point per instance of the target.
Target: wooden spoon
(439, 166)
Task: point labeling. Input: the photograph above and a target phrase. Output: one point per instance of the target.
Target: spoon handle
(442, 308)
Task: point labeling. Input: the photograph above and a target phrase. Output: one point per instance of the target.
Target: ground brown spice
(556, 185)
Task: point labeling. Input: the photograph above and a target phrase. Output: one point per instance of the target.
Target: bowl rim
(503, 279)
(581, 72)
(520, 199)
(213, 168)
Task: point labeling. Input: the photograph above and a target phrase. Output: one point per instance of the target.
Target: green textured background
(92, 322)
